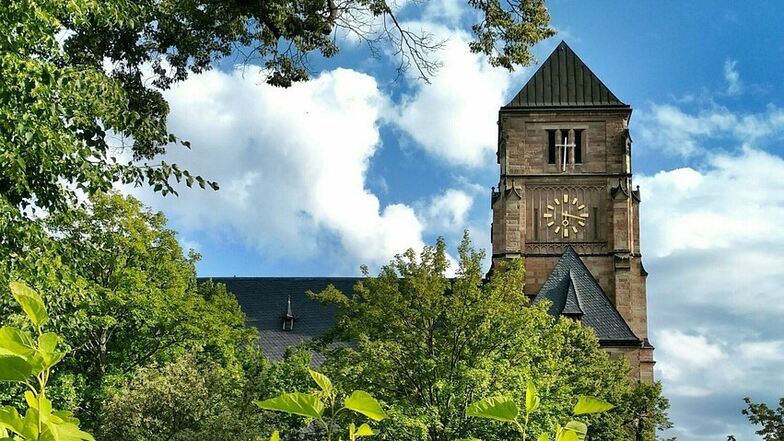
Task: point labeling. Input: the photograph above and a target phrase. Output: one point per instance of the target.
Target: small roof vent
(288, 317)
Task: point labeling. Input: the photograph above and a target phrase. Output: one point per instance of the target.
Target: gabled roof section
(563, 80)
(573, 291)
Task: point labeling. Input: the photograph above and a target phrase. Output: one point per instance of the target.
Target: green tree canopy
(124, 296)
(428, 346)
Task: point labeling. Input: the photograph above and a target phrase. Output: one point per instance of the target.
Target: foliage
(122, 292)
(323, 407)
(195, 399)
(22, 357)
(771, 420)
(66, 125)
(505, 409)
(428, 346)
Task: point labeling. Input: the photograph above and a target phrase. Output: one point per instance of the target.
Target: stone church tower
(565, 202)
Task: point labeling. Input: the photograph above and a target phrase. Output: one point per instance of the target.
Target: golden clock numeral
(582, 224)
(550, 207)
(581, 207)
(584, 214)
(550, 224)
(557, 229)
(557, 202)
(548, 215)
(574, 229)
(574, 201)
(566, 232)
(566, 198)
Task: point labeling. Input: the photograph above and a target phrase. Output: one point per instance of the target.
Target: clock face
(565, 216)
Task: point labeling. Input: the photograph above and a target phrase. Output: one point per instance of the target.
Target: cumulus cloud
(292, 165)
(675, 131)
(455, 117)
(712, 241)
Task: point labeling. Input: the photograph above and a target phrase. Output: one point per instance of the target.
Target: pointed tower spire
(563, 80)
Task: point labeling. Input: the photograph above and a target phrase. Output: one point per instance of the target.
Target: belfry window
(578, 146)
(551, 146)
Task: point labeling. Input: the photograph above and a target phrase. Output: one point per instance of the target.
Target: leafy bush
(323, 406)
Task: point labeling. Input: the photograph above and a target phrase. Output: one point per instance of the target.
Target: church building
(564, 202)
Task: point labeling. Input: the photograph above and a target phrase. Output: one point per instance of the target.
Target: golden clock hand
(571, 215)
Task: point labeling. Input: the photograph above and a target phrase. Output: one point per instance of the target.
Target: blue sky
(356, 165)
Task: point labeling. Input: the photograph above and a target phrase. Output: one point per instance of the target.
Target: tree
(771, 420)
(124, 296)
(427, 346)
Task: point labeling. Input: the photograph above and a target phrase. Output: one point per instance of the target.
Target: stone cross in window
(564, 150)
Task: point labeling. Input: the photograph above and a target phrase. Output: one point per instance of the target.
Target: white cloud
(447, 212)
(674, 131)
(731, 75)
(722, 206)
(292, 164)
(455, 117)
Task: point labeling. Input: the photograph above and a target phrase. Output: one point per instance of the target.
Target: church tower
(565, 202)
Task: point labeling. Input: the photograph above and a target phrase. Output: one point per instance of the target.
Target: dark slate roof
(573, 291)
(264, 301)
(563, 80)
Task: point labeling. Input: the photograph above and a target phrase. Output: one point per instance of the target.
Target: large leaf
(579, 429)
(531, 398)
(362, 402)
(14, 368)
(567, 435)
(323, 382)
(10, 419)
(275, 436)
(495, 408)
(588, 405)
(69, 432)
(16, 342)
(297, 403)
(31, 303)
(363, 430)
(543, 437)
(47, 345)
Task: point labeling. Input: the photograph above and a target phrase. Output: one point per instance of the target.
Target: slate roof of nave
(570, 286)
(563, 80)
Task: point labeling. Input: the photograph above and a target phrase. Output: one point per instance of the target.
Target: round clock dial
(565, 216)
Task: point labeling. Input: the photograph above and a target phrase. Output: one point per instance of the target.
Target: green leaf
(14, 368)
(323, 382)
(567, 435)
(579, 429)
(296, 403)
(362, 402)
(531, 398)
(494, 408)
(275, 436)
(70, 432)
(543, 437)
(10, 419)
(588, 405)
(31, 303)
(47, 343)
(364, 430)
(16, 342)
